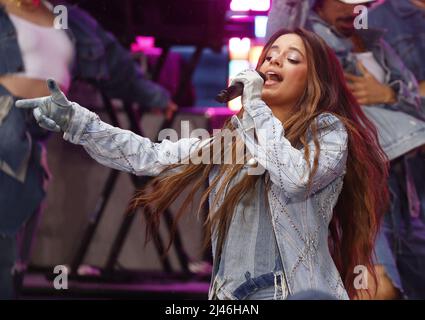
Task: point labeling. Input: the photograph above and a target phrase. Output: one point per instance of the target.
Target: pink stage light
(260, 26)
(241, 18)
(260, 5)
(236, 66)
(247, 5)
(254, 55)
(240, 5)
(239, 48)
(144, 44)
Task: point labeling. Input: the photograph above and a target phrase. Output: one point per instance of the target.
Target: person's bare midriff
(24, 87)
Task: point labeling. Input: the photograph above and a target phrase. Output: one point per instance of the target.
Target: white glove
(253, 86)
(52, 112)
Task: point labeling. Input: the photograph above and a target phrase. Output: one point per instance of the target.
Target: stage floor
(37, 285)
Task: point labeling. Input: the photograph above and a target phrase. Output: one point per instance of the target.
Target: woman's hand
(52, 112)
(368, 90)
(253, 85)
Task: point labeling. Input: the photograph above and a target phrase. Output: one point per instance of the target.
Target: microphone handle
(233, 91)
(230, 93)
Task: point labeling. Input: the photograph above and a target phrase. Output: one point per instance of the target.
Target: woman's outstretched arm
(113, 147)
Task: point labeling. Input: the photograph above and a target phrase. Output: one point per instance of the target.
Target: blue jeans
(13, 250)
(385, 257)
(268, 294)
(402, 243)
(19, 200)
(7, 260)
(311, 295)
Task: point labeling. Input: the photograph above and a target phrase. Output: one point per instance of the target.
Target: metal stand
(140, 182)
(96, 216)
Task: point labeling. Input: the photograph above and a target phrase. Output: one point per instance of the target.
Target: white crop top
(370, 63)
(46, 52)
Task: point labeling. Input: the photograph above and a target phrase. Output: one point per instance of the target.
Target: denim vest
(404, 25)
(99, 57)
(20, 152)
(299, 219)
(401, 126)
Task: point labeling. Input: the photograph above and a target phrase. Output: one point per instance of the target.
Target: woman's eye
(294, 61)
(268, 58)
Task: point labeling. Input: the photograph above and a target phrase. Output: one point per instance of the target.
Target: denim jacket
(406, 115)
(99, 57)
(299, 218)
(404, 24)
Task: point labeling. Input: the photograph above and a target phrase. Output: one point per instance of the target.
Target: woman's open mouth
(272, 78)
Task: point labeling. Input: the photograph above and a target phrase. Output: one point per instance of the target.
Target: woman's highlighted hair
(364, 196)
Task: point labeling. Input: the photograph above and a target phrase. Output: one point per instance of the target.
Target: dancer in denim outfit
(390, 97)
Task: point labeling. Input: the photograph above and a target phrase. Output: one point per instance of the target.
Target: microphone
(233, 91)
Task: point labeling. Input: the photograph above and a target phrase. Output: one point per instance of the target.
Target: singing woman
(308, 220)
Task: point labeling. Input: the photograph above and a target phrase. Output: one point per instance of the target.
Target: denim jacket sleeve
(404, 84)
(122, 149)
(287, 14)
(263, 135)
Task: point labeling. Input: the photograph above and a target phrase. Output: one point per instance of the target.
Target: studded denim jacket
(299, 218)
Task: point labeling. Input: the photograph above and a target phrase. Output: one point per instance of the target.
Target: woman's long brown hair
(364, 196)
